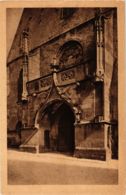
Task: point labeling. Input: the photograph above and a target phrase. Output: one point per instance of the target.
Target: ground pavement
(53, 168)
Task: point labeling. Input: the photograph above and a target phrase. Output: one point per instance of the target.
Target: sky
(13, 18)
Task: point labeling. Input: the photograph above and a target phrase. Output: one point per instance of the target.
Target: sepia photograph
(62, 80)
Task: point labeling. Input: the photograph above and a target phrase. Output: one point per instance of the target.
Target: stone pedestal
(92, 141)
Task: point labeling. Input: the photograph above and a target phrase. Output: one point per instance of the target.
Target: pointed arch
(70, 53)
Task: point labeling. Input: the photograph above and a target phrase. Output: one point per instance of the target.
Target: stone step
(29, 148)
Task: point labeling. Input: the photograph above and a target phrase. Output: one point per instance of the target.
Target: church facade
(63, 81)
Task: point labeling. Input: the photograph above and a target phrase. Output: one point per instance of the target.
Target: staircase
(13, 140)
(30, 144)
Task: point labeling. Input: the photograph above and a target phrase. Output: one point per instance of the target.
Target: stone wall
(77, 81)
(85, 35)
(111, 77)
(40, 59)
(46, 24)
(14, 71)
(34, 65)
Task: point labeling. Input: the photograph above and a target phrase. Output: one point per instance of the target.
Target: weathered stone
(72, 87)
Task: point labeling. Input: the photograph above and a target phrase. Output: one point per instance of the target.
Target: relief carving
(71, 54)
(45, 82)
(39, 85)
(68, 75)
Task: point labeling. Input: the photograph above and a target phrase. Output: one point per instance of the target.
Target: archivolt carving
(66, 97)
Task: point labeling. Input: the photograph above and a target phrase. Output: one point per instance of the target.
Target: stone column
(99, 48)
(109, 65)
(25, 64)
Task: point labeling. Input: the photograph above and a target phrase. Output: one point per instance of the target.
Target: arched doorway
(57, 127)
(65, 129)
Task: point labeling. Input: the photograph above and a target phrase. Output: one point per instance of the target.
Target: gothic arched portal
(57, 127)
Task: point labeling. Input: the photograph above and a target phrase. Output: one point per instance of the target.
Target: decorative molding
(94, 122)
(65, 77)
(68, 75)
(43, 84)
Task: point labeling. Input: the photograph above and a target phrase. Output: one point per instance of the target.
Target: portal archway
(57, 127)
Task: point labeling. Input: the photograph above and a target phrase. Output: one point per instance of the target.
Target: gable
(44, 24)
